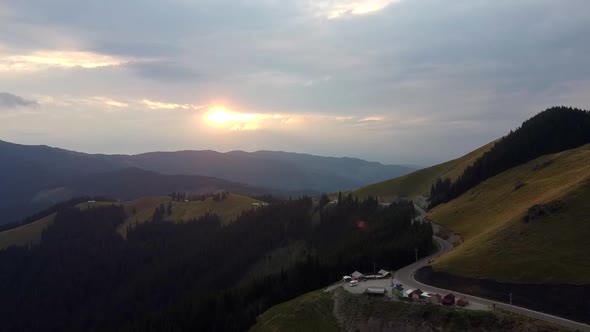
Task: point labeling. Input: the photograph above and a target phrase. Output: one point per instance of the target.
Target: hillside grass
(341, 311)
(139, 211)
(227, 209)
(499, 245)
(361, 312)
(309, 312)
(26, 234)
(419, 182)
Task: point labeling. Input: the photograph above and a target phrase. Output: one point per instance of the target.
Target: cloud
(164, 71)
(111, 103)
(9, 100)
(246, 126)
(39, 60)
(341, 8)
(156, 105)
(371, 119)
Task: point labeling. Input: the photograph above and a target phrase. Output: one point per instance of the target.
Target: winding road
(406, 277)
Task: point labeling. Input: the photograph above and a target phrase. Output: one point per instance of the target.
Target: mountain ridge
(33, 171)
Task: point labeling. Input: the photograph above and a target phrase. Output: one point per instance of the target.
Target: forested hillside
(554, 130)
(187, 276)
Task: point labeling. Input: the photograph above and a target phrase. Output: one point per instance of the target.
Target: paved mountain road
(406, 277)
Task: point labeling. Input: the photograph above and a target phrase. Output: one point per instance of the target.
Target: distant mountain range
(34, 177)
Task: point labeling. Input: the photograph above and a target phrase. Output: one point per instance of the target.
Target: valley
(517, 224)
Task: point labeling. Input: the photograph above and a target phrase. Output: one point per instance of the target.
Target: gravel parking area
(387, 284)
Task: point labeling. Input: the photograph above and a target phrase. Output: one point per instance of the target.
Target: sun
(219, 116)
(222, 118)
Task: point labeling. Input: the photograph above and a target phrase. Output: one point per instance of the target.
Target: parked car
(353, 283)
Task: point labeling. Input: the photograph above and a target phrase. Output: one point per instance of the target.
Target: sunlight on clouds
(46, 59)
(344, 118)
(333, 9)
(155, 105)
(111, 102)
(222, 118)
(372, 118)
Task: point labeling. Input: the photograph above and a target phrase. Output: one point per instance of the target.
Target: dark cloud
(9, 100)
(163, 71)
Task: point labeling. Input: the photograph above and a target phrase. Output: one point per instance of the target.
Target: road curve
(406, 276)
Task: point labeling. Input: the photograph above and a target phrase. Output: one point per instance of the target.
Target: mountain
(131, 183)
(32, 187)
(269, 169)
(519, 204)
(517, 211)
(553, 130)
(528, 223)
(34, 177)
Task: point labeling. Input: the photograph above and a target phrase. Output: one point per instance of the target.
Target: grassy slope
(315, 312)
(26, 234)
(144, 208)
(419, 182)
(499, 245)
(227, 209)
(309, 312)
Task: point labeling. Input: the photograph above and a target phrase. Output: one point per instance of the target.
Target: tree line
(184, 197)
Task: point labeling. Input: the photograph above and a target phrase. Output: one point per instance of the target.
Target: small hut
(435, 298)
(384, 274)
(449, 299)
(462, 302)
(407, 293)
(416, 294)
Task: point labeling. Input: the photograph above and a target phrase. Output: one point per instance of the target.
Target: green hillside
(342, 311)
(499, 244)
(227, 209)
(139, 211)
(309, 312)
(26, 234)
(419, 182)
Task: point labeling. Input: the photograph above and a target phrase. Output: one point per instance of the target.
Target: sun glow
(222, 118)
(219, 116)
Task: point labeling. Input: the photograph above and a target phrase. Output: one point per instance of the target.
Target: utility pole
(374, 269)
(416, 252)
(510, 298)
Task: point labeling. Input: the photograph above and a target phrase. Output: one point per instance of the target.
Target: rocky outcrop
(541, 210)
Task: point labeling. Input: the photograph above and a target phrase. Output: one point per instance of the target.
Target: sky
(396, 81)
